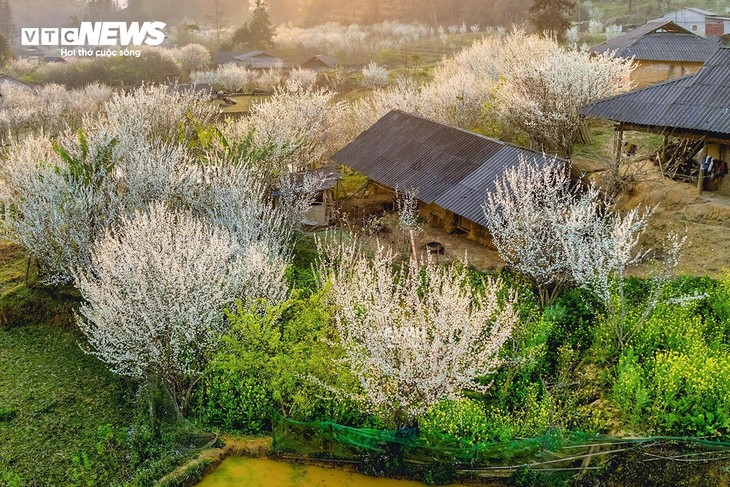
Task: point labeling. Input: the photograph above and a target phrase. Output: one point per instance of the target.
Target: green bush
(276, 358)
(675, 377)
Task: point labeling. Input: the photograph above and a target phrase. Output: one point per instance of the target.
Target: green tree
(552, 16)
(257, 33)
(7, 26)
(6, 53)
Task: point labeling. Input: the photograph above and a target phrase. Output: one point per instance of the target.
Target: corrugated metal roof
(321, 60)
(660, 41)
(698, 103)
(450, 167)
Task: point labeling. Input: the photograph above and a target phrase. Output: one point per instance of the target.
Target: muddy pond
(256, 472)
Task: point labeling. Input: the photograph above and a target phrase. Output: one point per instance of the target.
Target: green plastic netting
(556, 450)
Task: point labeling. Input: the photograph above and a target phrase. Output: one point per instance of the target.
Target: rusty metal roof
(660, 41)
(450, 167)
(699, 103)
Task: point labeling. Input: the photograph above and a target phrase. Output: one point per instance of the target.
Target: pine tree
(260, 31)
(7, 26)
(256, 33)
(552, 16)
(6, 53)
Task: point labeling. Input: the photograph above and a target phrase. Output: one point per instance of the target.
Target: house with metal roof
(450, 168)
(320, 63)
(693, 108)
(260, 60)
(9, 81)
(662, 51)
(699, 21)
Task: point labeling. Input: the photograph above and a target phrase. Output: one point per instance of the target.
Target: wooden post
(700, 178)
(701, 175)
(663, 157)
(619, 143)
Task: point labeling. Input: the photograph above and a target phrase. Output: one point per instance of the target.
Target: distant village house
(321, 63)
(701, 22)
(260, 60)
(662, 51)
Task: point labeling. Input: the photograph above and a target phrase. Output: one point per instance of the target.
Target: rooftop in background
(450, 167)
(660, 41)
(320, 62)
(698, 104)
(260, 60)
(6, 80)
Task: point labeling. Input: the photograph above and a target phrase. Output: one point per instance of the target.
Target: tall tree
(260, 28)
(7, 25)
(257, 33)
(6, 53)
(552, 16)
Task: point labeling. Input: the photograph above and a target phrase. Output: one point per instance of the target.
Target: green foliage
(552, 17)
(6, 52)
(274, 359)
(257, 33)
(675, 377)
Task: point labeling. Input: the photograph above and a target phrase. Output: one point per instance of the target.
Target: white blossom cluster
(350, 40)
(300, 127)
(374, 76)
(533, 83)
(48, 108)
(155, 292)
(543, 87)
(415, 335)
(192, 57)
(554, 232)
(238, 79)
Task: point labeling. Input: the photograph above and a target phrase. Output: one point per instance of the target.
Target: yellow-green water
(255, 472)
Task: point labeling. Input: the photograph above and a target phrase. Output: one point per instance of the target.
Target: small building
(320, 63)
(662, 51)
(54, 59)
(223, 57)
(695, 109)
(450, 168)
(698, 21)
(9, 81)
(260, 60)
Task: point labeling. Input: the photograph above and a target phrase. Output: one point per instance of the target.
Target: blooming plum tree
(415, 335)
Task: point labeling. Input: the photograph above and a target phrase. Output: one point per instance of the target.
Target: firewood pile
(676, 160)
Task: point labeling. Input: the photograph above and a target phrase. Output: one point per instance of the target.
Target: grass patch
(54, 400)
(65, 419)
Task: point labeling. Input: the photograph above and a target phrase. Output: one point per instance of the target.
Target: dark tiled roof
(321, 61)
(254, 54)
(660, 41)
(223, 57)
(6, 80)
(698, 103)
(450, 167)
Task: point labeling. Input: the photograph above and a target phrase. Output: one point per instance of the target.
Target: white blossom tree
(192, 57)
(298, 127)
(556, 232)
(525, 216)
(415, 335)
(374, 76)
(155, 293)
(543, 87)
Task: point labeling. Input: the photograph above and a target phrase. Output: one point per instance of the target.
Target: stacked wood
(676, 160)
